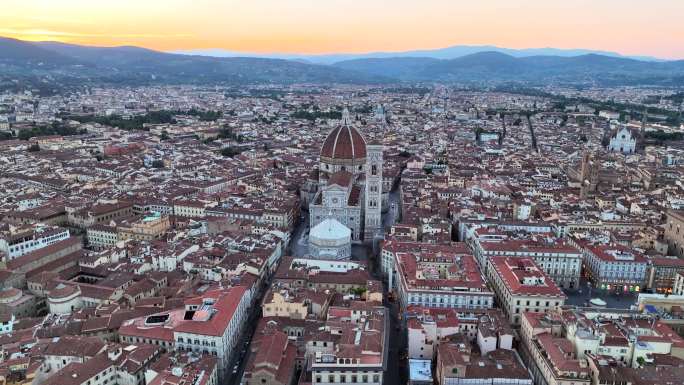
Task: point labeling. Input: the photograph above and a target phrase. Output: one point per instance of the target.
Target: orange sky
(634, 27)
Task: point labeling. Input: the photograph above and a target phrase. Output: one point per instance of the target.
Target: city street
(245, 341)
(300, 237)
(397, 368)
(392, 216)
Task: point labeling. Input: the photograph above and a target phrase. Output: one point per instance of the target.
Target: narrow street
(397, 367)
(393, 215)
(245, 341)
(300, 237)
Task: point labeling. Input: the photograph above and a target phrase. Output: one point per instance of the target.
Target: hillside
(58, 65)
(499, 67)
(69, 63)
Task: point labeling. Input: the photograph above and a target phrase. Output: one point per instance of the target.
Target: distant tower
(644, 120)
(589, 174)
(641, 136)
(380, 114)
(373, 192)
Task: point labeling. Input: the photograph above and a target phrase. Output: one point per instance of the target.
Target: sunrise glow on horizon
(630, 27)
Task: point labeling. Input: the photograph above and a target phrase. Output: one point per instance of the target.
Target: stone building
(674, 232)
(623, 140)
(349, 182)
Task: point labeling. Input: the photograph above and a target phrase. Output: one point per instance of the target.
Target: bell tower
(589, 174)
(373, 192)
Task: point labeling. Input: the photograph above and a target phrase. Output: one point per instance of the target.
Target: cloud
(42, 33)
(50, 19)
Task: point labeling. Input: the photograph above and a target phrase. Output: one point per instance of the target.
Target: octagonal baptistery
(343, 149)
(330, 240)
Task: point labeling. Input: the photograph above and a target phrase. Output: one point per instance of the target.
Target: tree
(230, 151)
(605, 141)
(205, 116)
(358, 291)
(317, 114)
(664, 136)
(134, 123)
(158, 163)
(641, 361)
(164, 135)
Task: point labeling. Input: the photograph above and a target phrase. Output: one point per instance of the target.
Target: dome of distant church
(344, 142)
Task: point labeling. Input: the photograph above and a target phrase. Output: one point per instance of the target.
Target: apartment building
(520, 286)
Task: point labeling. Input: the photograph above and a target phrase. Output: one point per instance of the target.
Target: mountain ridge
(129, 65)
(450, 52)
(496, 66)
(71, 64)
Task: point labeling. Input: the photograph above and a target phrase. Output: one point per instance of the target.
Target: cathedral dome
(344, 142)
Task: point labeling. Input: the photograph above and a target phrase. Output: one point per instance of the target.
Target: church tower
(589, 174)
(641, 138)
(373, 192)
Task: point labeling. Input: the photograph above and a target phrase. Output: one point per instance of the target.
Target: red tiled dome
(344, 142)
(62, 291)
